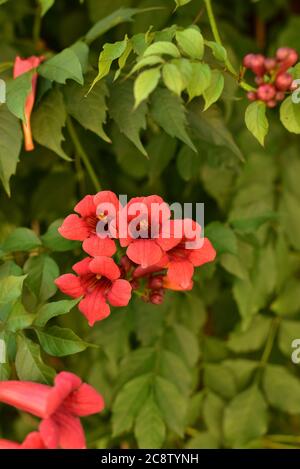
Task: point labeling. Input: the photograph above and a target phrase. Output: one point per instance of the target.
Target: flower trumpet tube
(22, 66)
(60, 407)
(32, 441)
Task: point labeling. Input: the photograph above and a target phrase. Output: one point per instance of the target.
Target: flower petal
(105, 266)
(64, 384)
(82, 267)
(33, 441)
(145, 252)
(96, 246)
(94, 307)
(120, 293)
(107, 197)
(7, 444)
(70, 431)
(180, 272)
(49, 432)
(84, 401)
(75, 228)
(86, 206)
(70, 285)
(203, 255)
(25, 395)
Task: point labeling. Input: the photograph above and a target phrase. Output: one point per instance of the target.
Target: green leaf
(51, 310)
(251, 225)
(222, 237)
(54, 241)
(288, 332)
(88, 109)
(188, 163)
(242, 369)
(184, 343)
(63, 66)
(162, 48)
(172, 78)
(109, 53)
(289, 209)
(202, 440)
(122, 15)
(219, 52)
(129, 120)
(18, 318)
(288, 301)
(191, 42)
(146, 62)
(59, 342)
(10, 145)
(11, 288)
(199, 80)
(220, 380)
(5, 369)
(169, 112)
(290, 115)
(21, 239)
(256, 120)
(17, 91)
(282, 389)
(82, 50)
(29, 365)
(252, 339)
(180, 3)
(48, 121)
(172, 404)
(45, 5)
(234, 265)
(212, 93)
(213, 409)
(144, 84)
(42, 271)
(149, 428)
(245, 418)
(128, 403)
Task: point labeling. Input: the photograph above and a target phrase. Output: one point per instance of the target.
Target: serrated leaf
(253, 338)
(144, 84)
(63, 66)
(29, 365)
(290, 115)
(18, 318)
(11, 288)
(172, 78)
(59, 342)
(288, 301)
(191, 42)
(149, 427)
(199, 80)
(202, 440)
(88, 109)
(17, 91)
(219, 52)
(188, 163)
(128, 403)
(10, 145)
(256, 120)
(213, 409)
(180, 3)
(109, 53)
(282, 389)
(288, 332)
(162, 48)
(54, 241)
(245, 418)
(41, 273)
(222, 237)
(171, 403)
(169, 112)
(213, 92)
(129, 120)
(21, 239)
(220, 380)
(51, 310)
(146, 62)
(48, 120)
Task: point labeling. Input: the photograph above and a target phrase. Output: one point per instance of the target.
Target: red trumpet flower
(22, 66)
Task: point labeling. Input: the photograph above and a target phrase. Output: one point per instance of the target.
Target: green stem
(83, 155)
(269, 346)
(217, 37)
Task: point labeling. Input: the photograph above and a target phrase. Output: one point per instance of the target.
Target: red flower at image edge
(32, 441)
(153, 214)
(83, 227)
(59, 407)
(22, 66)
(99, 282)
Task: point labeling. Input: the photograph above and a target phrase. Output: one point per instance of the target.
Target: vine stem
(82, 153)
(217, 37)
(269, 346)
(37, 24)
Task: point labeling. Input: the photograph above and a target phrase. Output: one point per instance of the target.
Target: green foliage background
(207, 369)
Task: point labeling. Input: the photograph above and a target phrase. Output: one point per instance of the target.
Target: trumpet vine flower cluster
(132, 247)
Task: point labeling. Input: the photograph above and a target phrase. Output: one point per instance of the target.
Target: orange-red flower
(22, 66)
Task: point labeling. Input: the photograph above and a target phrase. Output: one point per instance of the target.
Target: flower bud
(266, 92)
(283, 81)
